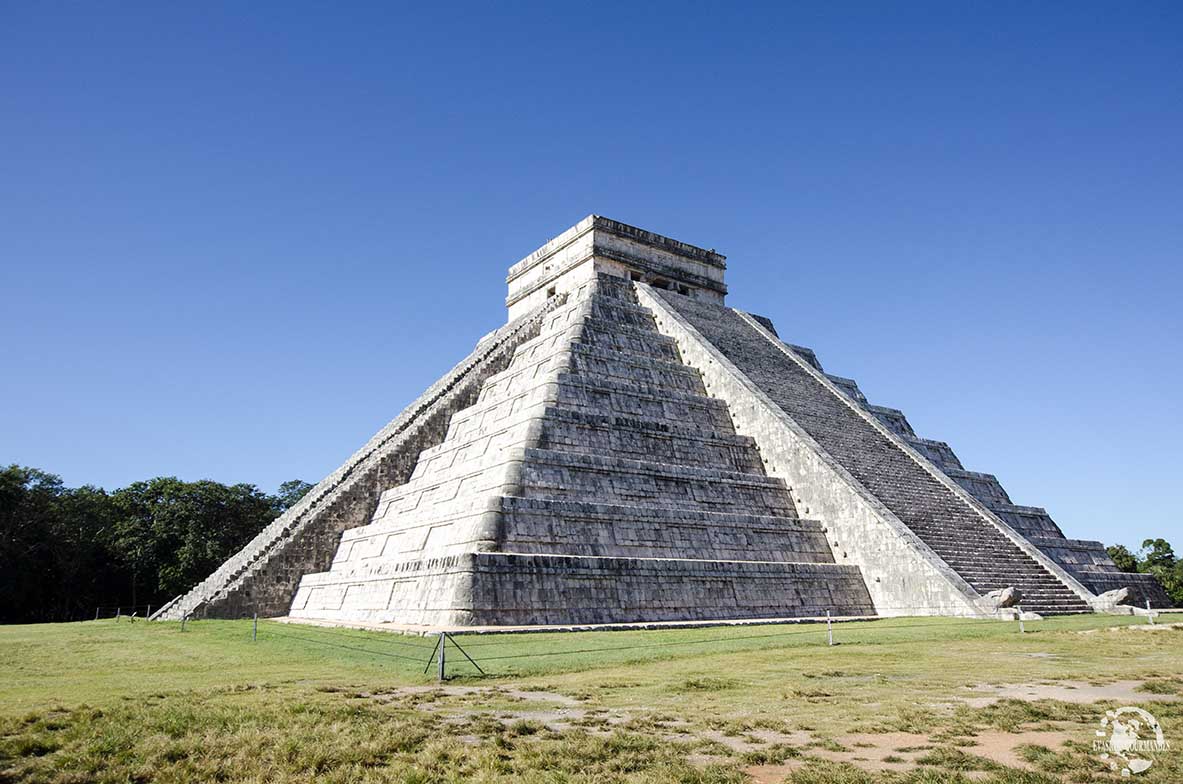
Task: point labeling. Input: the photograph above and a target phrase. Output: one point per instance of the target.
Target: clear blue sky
(236, 239)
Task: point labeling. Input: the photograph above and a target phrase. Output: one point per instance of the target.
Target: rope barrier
(124, 606)
(346, 647)
(807, 627)
(856, 629)
(351, 633)
(819, 630)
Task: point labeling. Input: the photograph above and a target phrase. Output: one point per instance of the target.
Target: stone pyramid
(629, 449)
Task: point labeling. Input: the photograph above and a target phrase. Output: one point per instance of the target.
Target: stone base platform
(515, 589)
(422, 630)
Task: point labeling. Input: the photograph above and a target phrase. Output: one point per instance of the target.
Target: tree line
(65, 551)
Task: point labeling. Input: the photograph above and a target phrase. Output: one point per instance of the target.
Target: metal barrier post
(118, 610)
(255, 629)
(829, 628)
(96, 613)
(443, 637)
(1149, 615)
(465, 653)
(1019, 610)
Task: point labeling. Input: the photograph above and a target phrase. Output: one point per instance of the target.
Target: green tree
(289, 493)
(1156, 554)
(1124, 559)
(28, 511)
(63, 551)
(1157, 557)
(55, 556)
(171, 534)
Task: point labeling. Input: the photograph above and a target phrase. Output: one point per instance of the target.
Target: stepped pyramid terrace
(629, 449)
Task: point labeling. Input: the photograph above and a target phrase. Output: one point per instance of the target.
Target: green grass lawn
(124, 701)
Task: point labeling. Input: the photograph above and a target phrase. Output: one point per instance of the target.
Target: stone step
(999, 561)
(937, 452)
(991, 567)
(1015, 579)
(641, 438)
(848, 386)
(607, 590)
(1033, 598)
(612, 396)
(662, 425)
(1033, 593)
(489, 423)
(536, 588)
(518, 379)
(548, 474)
(596, 528)
(1027, 520)
(620, 337)
(960, 548)
(1031, 589)
(984, 487)
(1042, 594)
(589, 360)
(485, 415)
(591, 323)
(618, 312)
(641, 343)
(615, 286)
(997, 558)
(578, 359)
(894, 419)
(482, 444)
(972, 575)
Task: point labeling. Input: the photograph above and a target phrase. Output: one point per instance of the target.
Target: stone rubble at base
(628, 449)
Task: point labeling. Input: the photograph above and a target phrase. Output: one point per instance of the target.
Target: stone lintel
(601, 245)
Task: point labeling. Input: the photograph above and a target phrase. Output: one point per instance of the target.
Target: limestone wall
(498, 589)
(534, 525)
(537, 589)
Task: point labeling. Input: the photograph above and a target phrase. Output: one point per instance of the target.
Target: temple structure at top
(598, 245)
(628, 448)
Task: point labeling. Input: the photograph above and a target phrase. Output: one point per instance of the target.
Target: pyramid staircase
(593, 481)
(964, 535)
(1085, 560)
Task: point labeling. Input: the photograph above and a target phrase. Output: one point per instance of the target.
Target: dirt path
(784, 751)
(1066, 691)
